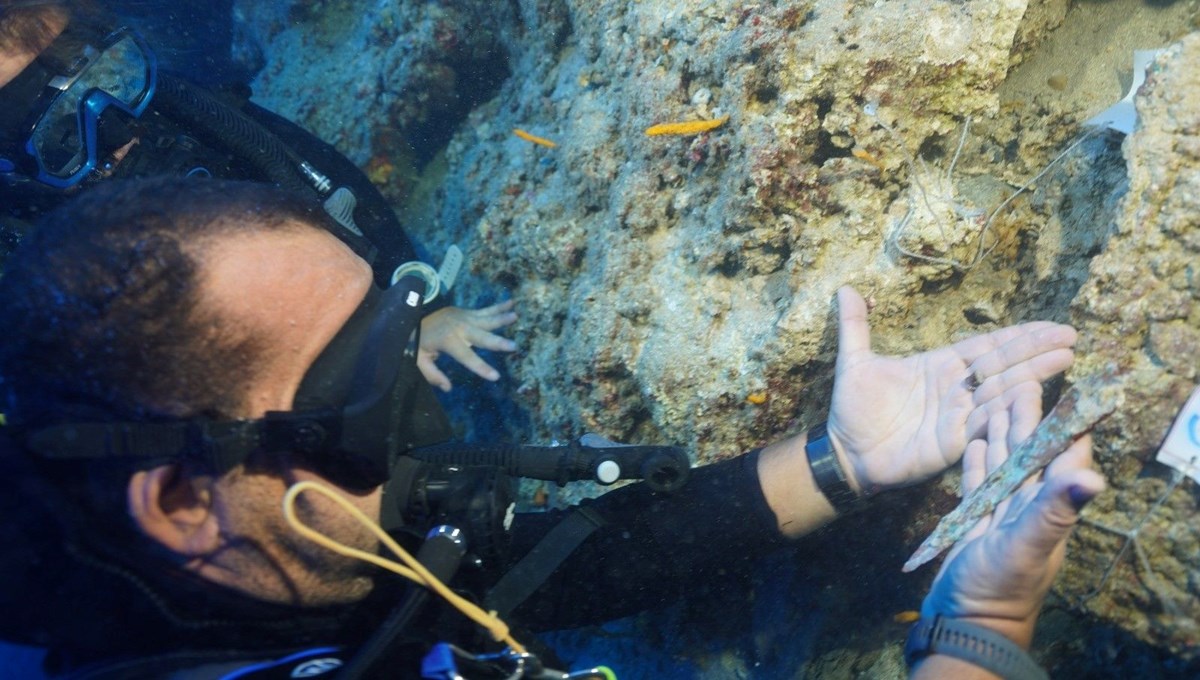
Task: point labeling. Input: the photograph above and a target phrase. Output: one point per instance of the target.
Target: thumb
(854, 333)
(1047, 520)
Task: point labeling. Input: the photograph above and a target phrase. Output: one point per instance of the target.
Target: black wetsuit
(103, 616)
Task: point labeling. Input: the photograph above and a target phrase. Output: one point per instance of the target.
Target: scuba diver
(214, 410)
(213, 413)
(93, 105)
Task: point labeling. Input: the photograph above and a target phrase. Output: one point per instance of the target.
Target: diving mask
(361, 406)
(83, 74)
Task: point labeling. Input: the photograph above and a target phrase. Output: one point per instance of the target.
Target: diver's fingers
(1010, 508)
(996, 454)
(468, 358)
(1020, 400)
(997, 440)
(974, 464)
(496, 316)
(1012, 342)
(433, 374)
(973, 473)
(995, 377)
(1078, 456)
(1037, 350)
(498, 308)
(1026, 413)
(491, 341)
(1046, 520)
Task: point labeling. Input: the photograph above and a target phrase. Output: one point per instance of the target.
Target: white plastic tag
(1122, 116)
(450, 266)
(1181, 450)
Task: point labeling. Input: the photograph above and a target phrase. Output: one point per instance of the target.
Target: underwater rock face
(679, 289)
(411, 69)
(1141, 308)
(664, 280)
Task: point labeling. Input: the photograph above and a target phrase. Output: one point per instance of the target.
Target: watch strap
(827, 471)
(974, 644)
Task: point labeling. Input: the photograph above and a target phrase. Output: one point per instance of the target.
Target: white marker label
(450, 266)
(1181, 450)
(1122, 116)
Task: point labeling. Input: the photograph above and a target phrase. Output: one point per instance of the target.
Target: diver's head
(71, 84)
(27, 28)
(214, 341)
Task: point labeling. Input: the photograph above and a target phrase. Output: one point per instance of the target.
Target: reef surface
(678, 289)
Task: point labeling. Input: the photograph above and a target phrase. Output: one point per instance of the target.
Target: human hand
(456, 331)
(998, 575)
(898, 421)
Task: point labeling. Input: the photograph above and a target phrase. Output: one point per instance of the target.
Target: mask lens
(63, 138)
(56, 140)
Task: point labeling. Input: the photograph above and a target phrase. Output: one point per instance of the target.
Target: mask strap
(222, 445)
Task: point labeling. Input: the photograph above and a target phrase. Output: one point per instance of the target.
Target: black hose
(441, 553)
(223, 126)
(559, 464)
(664, 468)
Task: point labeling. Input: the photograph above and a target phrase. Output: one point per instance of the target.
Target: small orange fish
(757, 398)
(689, 127)
(907, 616)
(541, 497)
(533, 138)
(864, 155)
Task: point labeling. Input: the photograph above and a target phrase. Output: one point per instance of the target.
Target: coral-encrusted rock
(1141, 308)
(663, 279)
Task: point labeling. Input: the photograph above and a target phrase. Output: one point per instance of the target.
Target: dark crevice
(766, 94)
(932, 149)
(477, 82)
(826, 149)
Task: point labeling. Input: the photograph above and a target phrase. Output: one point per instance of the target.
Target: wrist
(850, 471)
(967, 641)
(938, 666)
(790, 490)
(829, 470)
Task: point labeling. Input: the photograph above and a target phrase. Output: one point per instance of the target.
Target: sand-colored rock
(1141, 308)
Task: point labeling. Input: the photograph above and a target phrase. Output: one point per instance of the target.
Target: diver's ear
(175, 508)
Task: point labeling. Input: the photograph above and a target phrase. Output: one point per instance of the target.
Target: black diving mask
(51, 126)
(361, 405)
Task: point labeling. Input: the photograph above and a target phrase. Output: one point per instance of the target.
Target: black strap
(532, 571)
(221, 444)
(972, 643)
(827, 472)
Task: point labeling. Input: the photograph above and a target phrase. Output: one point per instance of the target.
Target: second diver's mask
(53, 120)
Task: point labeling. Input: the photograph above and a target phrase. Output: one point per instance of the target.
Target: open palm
(902, 420)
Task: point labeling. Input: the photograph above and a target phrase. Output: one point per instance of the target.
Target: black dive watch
(827, 472)
(974, 644)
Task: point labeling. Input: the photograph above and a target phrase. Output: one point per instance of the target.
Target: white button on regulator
(608, 472)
